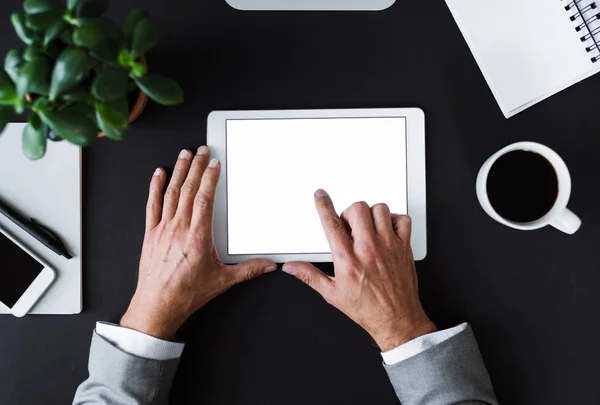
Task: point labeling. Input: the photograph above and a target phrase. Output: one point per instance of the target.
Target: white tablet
(274, 161)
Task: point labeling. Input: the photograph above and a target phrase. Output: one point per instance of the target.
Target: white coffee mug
(559, 215)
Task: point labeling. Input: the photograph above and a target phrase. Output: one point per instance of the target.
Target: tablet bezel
(416, 184)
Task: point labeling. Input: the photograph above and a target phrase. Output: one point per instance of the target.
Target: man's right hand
(375, 281)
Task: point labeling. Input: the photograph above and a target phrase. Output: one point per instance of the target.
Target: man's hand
(375, 281)
(180, 270)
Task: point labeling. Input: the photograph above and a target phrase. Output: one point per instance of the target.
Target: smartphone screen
(17, 271)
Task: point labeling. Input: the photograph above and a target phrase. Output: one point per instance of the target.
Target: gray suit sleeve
(118, 378)
(451, 372)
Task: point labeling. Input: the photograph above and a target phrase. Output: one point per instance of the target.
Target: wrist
(150, 321)
(396, 335)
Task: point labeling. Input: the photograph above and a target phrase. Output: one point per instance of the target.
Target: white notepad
(529, 50)
(48, 190)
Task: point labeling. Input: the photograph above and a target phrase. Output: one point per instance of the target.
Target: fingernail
(321, 193)
(157, 172)
(288, 269)
(202, 150)
(213, 163)
(270, 269)
(184, 154)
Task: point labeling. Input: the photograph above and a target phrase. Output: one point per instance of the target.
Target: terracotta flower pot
(140, 102)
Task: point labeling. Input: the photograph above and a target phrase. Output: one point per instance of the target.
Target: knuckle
(152, 207)
(335, 225)
(358, 208)
(404, 220)
(251, 274)
(171, 193)
(360, 205)
(404, 227)
(306, 278)
(201, 202)
(381, 207)
(189, 188)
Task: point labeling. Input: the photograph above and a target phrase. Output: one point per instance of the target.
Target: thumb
(311, 276)
(251, 269)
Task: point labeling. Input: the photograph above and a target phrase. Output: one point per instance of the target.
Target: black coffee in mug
(522, 186)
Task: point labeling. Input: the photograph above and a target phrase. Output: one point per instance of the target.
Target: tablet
(274, 161)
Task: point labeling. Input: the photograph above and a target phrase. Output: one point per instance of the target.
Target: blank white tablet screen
(274, 166)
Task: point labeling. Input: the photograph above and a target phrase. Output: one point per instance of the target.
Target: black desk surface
(532, 297)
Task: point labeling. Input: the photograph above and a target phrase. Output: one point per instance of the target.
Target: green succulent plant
(78, 73)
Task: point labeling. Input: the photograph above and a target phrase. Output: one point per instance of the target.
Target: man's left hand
(180, 270)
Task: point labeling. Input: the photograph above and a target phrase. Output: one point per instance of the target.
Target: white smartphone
(24, 277)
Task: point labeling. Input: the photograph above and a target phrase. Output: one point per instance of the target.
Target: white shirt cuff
(420, 344)
(139, 344)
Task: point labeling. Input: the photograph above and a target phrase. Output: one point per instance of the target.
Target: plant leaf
(70, 69)
(18, 22)
(33, 51)
(110, 84)
(55, 31)
(41, 104)
(145, 36)
(93, 38)
(125, 58)
(42, 6)
(73, 127)
(42, 21)
(88, 8)
(161, 89)
(113, 114)
(7, 89)
(33, 77)
(131, 21)
(34, 138)
(138, 69)
(6, 114)
(109, 131)
(115, 134)
(80, 96)
(13, 62)
(82, 109)
(34, 120)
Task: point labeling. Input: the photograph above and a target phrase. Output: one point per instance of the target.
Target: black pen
(35, 229)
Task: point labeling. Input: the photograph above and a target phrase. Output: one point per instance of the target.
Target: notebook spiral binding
(585, 14)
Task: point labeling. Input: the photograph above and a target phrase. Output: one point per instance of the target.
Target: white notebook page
(48, 190)
(526, 49)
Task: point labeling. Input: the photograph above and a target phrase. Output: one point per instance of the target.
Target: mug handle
(567, 222)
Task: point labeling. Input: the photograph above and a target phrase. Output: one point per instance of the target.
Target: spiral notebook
(529, 50)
